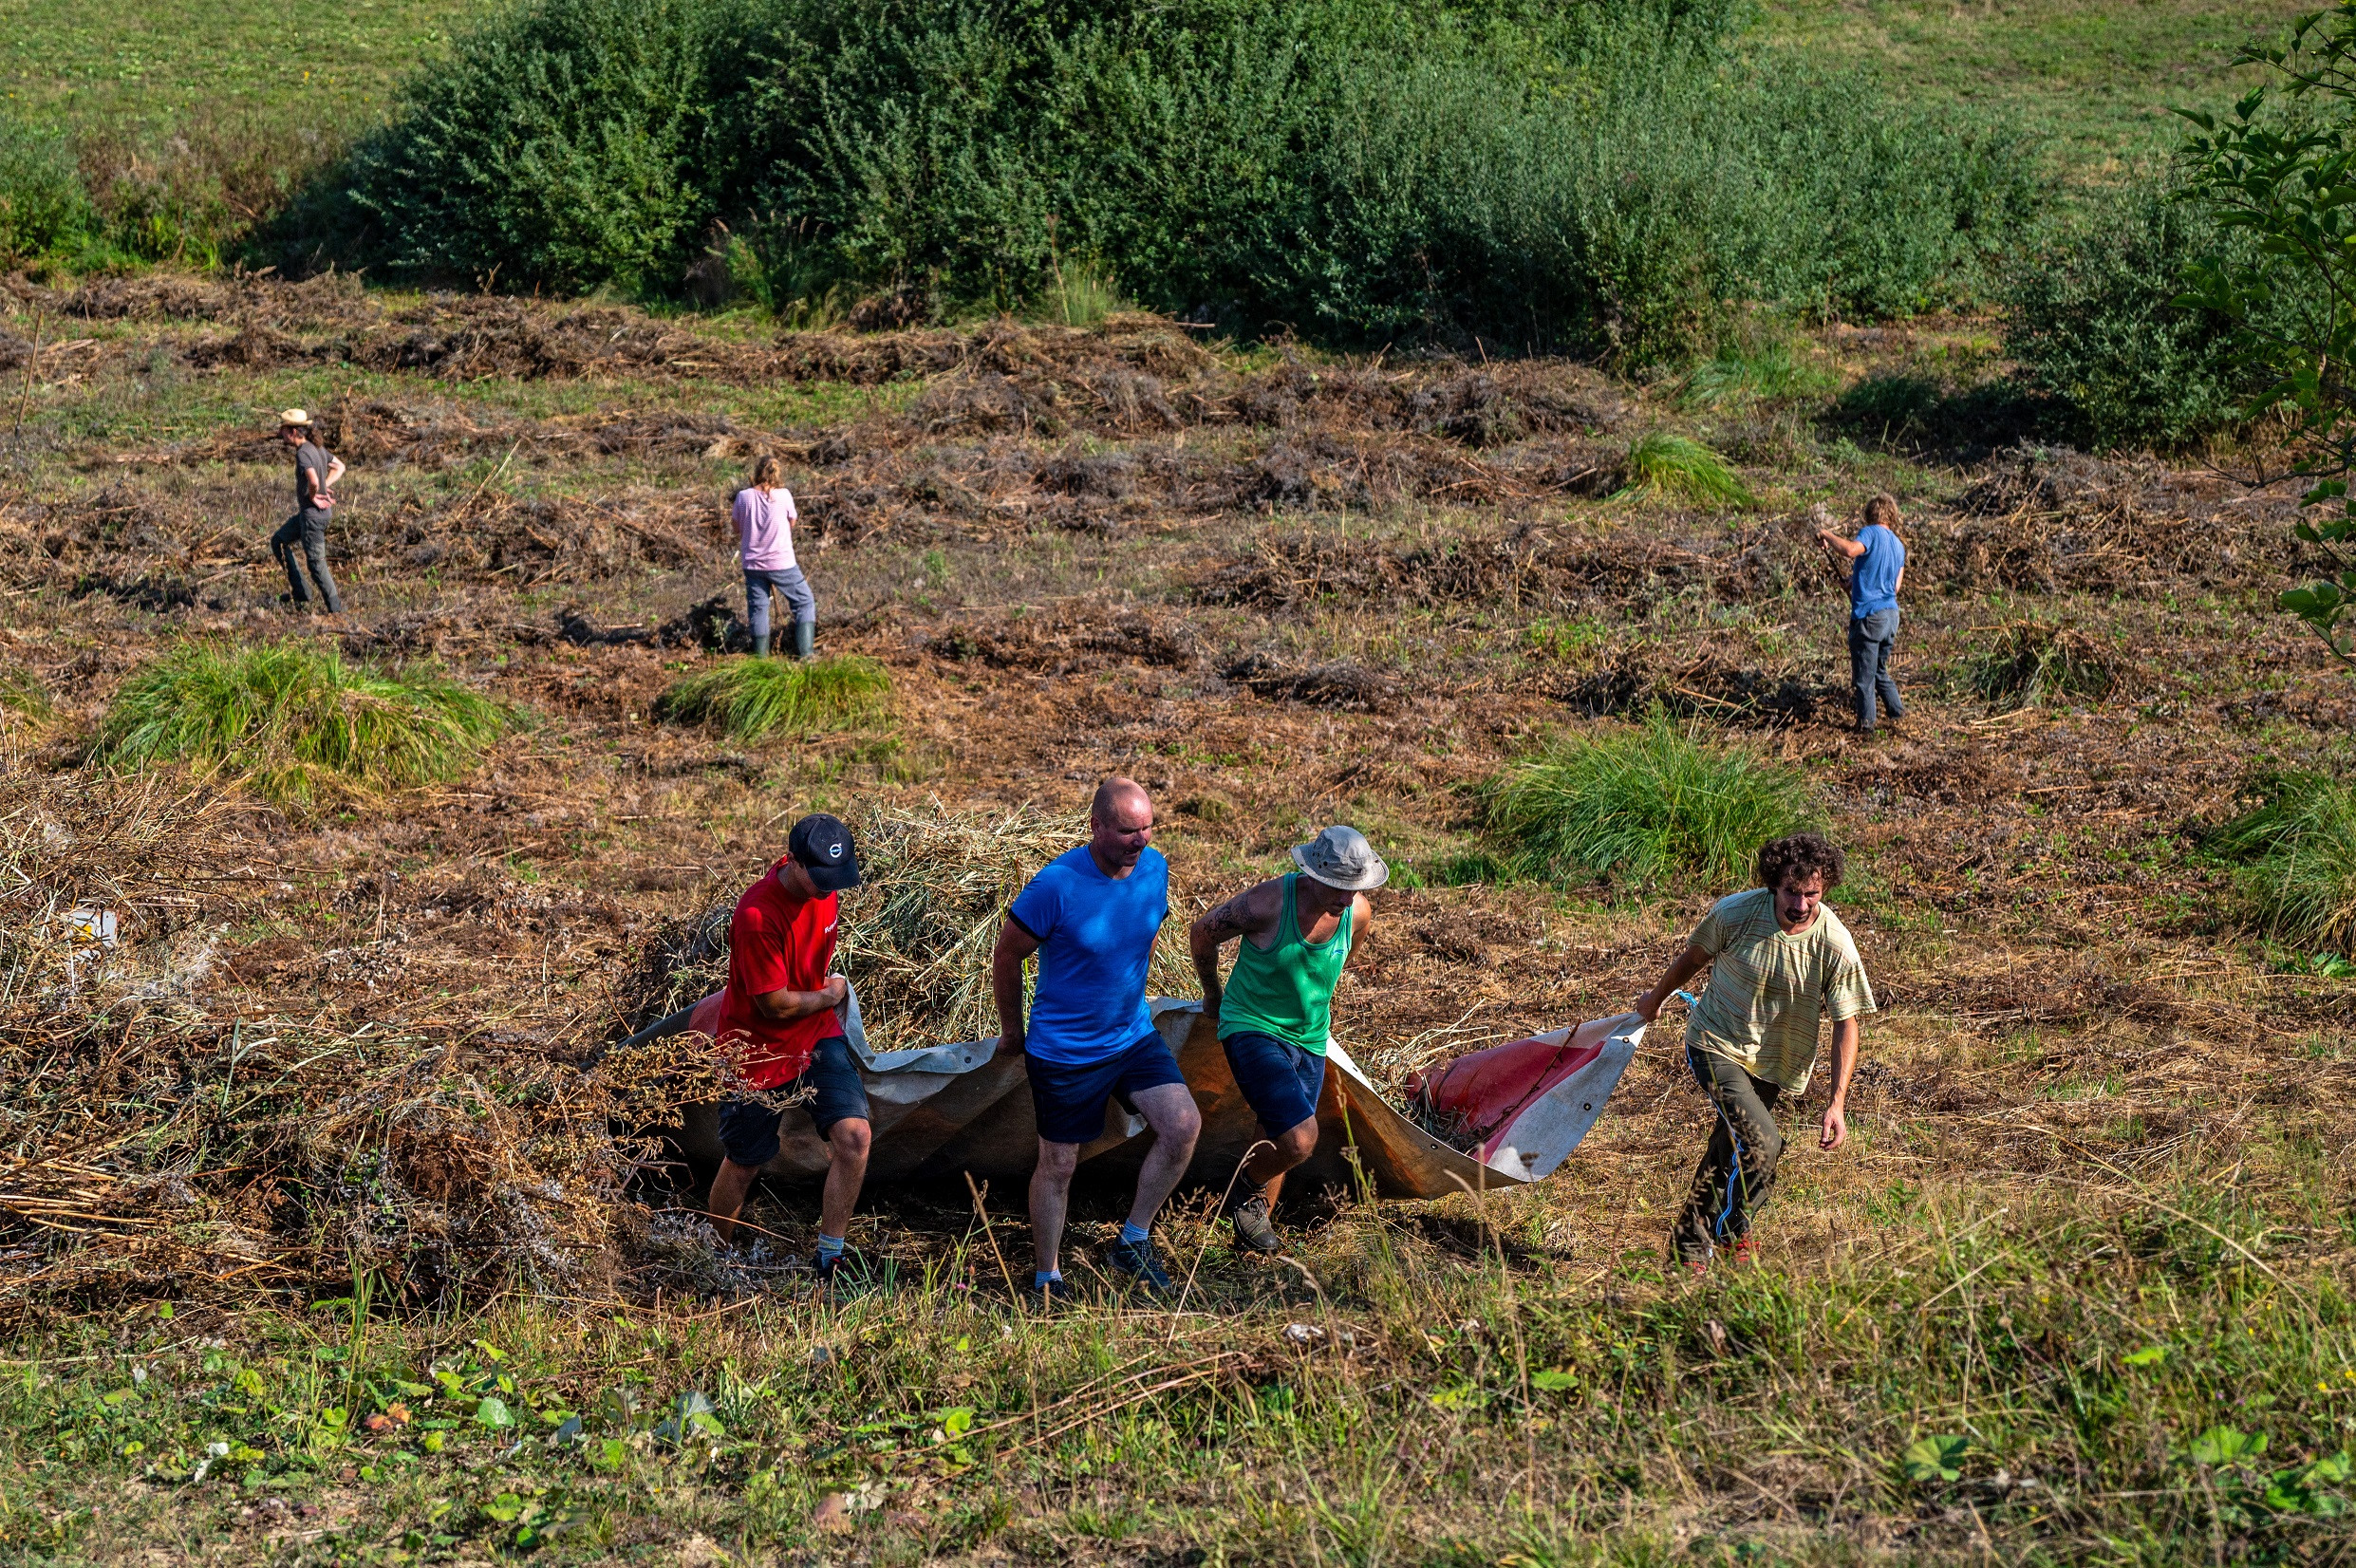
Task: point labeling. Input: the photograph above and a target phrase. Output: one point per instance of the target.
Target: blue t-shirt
(1096, 937)
(1873, 580)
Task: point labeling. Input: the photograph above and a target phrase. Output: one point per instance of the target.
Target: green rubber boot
(761, 648)
(805, 638)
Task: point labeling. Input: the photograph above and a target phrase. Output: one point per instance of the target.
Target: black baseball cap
(821, 845)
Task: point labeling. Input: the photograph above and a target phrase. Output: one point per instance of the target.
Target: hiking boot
(1253, 1231)
(1136, 1262)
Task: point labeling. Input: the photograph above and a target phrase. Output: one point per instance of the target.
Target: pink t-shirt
(765, 528)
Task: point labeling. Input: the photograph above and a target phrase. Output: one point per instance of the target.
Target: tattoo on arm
(1231, 918)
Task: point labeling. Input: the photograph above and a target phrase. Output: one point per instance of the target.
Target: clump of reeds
(2028, 663)
(295, 721)
(1662, 463)
(1648, 804)
(2298, 849)
(751, 697)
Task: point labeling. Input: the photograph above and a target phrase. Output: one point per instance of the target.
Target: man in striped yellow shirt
(1779, 962)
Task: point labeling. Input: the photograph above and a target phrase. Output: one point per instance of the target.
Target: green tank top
(1288, 990)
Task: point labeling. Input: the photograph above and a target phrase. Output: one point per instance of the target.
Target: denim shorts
(750, 1132)
(1070, 1098)
(1278, 1079)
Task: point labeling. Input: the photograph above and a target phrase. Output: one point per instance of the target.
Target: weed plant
(1648, 805)
(1677, 467)
(2298, 849)
(2030, 664)
(297, 722)
(751, 697)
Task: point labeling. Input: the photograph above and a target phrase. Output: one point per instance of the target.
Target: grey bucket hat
(1340, 857)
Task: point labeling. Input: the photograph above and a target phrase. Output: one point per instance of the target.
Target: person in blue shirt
(1092, 916)
(1877, 563)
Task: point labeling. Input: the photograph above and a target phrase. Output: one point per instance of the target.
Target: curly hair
(1810, 855)
(1883, 510)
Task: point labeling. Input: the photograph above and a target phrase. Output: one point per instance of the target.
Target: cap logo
(835, 851)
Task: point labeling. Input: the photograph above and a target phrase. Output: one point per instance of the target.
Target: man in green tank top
(1276, 1010)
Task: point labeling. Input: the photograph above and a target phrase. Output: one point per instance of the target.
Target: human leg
(1885, 685)
(1737, 1171)
(841, 1114)
(749, 1139)
(1051, 1199)
(316, 551)
(1863, 656)
(1169, 1110)
(1280, 1082)
(757, 611)
(282, 549)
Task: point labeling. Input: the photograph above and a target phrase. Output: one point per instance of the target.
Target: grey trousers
(308, 529)
(790, 585)
(1870, 642)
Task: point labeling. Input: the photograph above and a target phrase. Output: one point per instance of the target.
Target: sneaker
(1134, 1261)
(1746, 1252)
(1694, 1263)
(825, 1269)
(1049, 1294)
(1253, 1231)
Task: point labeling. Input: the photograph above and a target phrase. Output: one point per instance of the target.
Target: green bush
(2298, 849)
(1649, 805)
(1603, 176)
(751, 697)
(44, 208)
(2095, 323)
(297, 722)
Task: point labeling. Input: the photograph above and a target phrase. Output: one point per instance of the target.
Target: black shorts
(1278, 1079)
(1070, 1098)
(750, 1131)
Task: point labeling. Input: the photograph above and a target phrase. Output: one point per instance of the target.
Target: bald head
(1120, 825)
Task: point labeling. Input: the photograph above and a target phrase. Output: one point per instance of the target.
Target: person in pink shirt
(765, 519)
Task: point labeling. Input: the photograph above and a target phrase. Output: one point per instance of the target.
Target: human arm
(335, 469)
(1015, 945)
(1682, 968)
(1248, 913)
(1845, 1038)
(785, 1006)
(1846, 549)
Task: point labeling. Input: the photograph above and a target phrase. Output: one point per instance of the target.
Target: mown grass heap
(2299, 849)
(1663, 463)
(298, 724)
(748, 699)
(2028, 663)
(1648, 805)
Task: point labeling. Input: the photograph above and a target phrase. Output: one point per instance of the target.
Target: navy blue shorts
(1278, 1079)
(750, 1132)
(1070, 1098)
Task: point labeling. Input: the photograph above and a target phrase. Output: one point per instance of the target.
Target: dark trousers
(308, 529)
(1738, 1170)
(790, 585)
(1871, 639)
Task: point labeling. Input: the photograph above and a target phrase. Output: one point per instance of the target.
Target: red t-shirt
(776, 944)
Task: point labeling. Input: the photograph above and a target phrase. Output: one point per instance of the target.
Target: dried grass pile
(148, 1148)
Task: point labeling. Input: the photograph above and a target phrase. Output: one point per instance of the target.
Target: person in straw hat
(1276, 1010)
(315, 473)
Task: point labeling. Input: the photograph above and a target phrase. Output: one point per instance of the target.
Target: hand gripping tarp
(942, 1110)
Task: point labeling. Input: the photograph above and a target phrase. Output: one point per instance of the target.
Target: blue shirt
(1096, 937)
(1873, 579)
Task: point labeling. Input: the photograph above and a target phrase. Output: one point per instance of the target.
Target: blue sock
(829, 1247)
(1133, 1234)
(1040, 1276)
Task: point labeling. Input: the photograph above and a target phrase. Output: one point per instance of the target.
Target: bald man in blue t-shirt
(1876, 561)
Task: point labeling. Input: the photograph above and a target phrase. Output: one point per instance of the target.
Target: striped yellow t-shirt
(1769, 992)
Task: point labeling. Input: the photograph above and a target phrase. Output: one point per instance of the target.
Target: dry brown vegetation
(1280, 591)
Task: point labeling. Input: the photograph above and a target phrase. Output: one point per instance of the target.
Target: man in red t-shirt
(778, 1013)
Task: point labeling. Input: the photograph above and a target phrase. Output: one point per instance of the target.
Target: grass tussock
(297, 722)
(1648, 805)
(752, 697)
(2298, 847)
(2028, 663)
(1677, 467)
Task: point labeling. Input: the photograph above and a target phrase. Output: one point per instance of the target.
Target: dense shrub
(1602, 175)
(44, 207)
(2096, 324)
(1649, 805)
